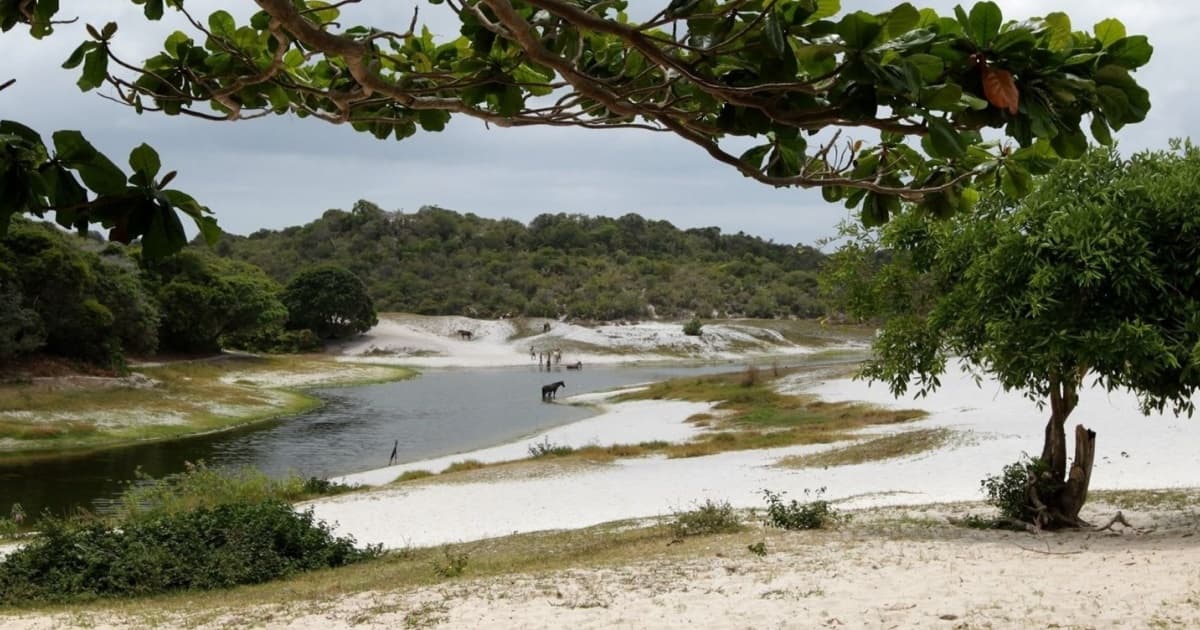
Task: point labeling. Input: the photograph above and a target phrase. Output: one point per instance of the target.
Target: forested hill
(437, 261)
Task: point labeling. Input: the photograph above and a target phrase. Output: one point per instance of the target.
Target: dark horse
(465, 334)
(578, 365)
(548, 391)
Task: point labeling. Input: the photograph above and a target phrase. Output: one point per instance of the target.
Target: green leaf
(1131, 52)
(144, 160)
(95, 70)
(153, 9)
(1100, 130)
(825, 8)
(1015, 180)
(221, 24)
(96, 170)
(902, 19)
(985, 20)
(773, 33)
(1038, 158)
(928, 66)
(1109, 31)
(1058, 26)
(944, 139)
(858, 29)
(946, 97)
(432, 119)
(76, 57)
(1070, 143)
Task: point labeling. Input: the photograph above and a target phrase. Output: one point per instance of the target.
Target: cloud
(278, 172)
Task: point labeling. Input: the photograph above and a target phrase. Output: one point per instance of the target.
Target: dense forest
(90, 300)
(440, 262)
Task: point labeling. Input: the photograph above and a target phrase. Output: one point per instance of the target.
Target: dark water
(441, 412)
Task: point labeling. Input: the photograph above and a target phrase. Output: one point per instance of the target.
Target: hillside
(438, 261)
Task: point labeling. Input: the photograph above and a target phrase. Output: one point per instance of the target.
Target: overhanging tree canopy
(774, 88)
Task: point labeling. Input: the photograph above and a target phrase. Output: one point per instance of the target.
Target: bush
(546, 448)
(410, 475)
(707, 518)
(451, 564)
(815, 514)
(204, 548)
(1007, 491)
(692, 328)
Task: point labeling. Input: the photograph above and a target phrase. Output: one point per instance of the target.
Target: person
(392, 457)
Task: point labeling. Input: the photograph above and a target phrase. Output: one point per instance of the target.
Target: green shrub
(204, 548)
(759, 548)
(815, 514)
(546, 448)
(201, 486)
(1008, 491)
(451, 564)
(692, 327)
(464, 465)
(706, 518)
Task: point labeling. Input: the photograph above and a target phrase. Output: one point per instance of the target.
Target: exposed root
(1117, 518)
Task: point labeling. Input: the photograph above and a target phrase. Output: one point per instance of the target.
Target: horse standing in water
(549, 391)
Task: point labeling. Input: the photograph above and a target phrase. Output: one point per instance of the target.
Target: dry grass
(903, 444)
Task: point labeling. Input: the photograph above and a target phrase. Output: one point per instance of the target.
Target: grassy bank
(179, 399)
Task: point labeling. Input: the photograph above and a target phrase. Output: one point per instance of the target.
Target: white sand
(435, 342)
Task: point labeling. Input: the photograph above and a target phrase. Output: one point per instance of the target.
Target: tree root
(1117, 518)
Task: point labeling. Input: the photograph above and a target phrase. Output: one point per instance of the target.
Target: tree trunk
(1055, 497)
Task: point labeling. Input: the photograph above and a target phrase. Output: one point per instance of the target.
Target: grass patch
(1169, 499)
(412, 475)
(191, 397)
(877, 449)
(464, 465)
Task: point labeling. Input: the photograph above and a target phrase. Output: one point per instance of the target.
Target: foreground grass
(191, 397)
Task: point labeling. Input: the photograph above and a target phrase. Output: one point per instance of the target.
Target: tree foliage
(1092, 275)
(330, 301)
(786, 77)
(439, 262)
(69, 300)
(206, 299)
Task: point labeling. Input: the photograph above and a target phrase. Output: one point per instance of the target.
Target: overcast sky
(283, 171)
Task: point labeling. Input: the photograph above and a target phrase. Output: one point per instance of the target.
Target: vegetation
(440, 262)
(692, 327)
(202, 529)
(710, 517)
(792, 515)
(1093, 275)
(717, 73)
(203, 548)
(330, 301)
(903, 444)
(1008, 492)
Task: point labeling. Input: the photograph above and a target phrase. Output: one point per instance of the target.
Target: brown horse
(549, 391)
(578, 365)
(465, 334)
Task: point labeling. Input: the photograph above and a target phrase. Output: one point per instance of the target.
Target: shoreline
(630, 488)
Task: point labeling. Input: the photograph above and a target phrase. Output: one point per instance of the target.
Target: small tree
(330, 301)
(1094, 274)
(692, 327)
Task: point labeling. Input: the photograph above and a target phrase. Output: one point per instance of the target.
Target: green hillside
(440, 262)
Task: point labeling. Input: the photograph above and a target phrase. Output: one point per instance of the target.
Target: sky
(281, 171)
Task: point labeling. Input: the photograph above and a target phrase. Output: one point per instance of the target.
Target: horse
(549, 391)
(578, 365)
(465, 334)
